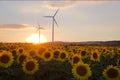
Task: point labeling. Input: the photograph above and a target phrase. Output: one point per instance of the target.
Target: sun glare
(34, 38)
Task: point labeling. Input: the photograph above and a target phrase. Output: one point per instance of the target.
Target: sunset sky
(77, 20)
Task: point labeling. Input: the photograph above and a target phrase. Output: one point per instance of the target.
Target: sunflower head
(95, 56)
(81, 71)
(32, 52)
(30, 66)
(112, 53)
(118, 50)
(6, 59)
(104, 51)
(47, 55)
(111, 73)
(75, 59)
(41, 51)
(83, 54)
(63, 56)
(56, 54)
(21, 58)
(14, 52)
(20, 50)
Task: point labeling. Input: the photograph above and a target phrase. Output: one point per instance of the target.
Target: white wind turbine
(38, 29)
(53, 21)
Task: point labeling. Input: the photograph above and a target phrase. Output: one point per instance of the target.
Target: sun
(34, 38)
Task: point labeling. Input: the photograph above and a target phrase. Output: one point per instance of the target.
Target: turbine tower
(53, 21)
(38, 29)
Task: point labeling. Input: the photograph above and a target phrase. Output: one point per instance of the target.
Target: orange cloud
(70, 3)
(13, 26)
(61, 4)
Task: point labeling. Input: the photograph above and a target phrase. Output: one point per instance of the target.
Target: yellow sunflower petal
(30, 66)
(81, 71)
(6, 59)
(111, 73)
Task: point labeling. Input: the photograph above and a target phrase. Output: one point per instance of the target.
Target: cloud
(61, 4)
(34, 7)
(64, 4)
(14, 26)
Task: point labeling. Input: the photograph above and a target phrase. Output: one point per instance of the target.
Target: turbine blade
(56, 22)
(37, 30)
(48, 16)
(56, 12)
(38, 24)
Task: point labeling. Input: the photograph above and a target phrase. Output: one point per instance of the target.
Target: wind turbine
(38, 29)
(53, 21)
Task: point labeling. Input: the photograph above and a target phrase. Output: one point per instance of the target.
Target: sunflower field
(43, 62)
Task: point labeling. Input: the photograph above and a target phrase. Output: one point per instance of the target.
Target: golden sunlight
(34, 38)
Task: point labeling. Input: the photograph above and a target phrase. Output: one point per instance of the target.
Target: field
(44, 62)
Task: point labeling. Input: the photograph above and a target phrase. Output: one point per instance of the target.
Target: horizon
(65, 41)
(79, 21)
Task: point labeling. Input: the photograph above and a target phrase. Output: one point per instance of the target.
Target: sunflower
(47, 56)
(20, 50)
(81, 71)
(30, 66)
(112, 54)
(104, 51)
(56, 54)
(83, 54)
(14, 52)
(75, 59)
(6, 59)
(95, 56)
(32, 52)
(111, 73)
(21, 58)
(118, 49)
(63, 56)
(41, 50)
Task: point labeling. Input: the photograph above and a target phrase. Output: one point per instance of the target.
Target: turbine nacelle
(40, 29)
